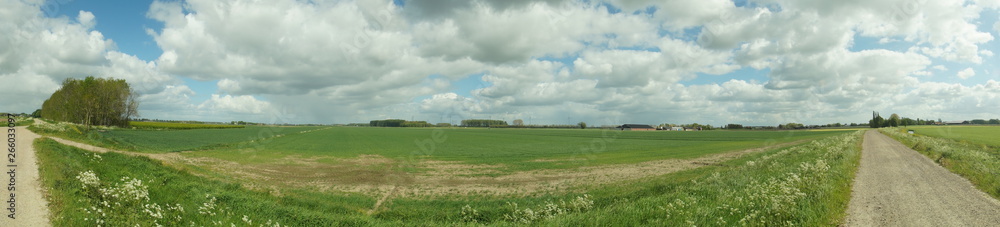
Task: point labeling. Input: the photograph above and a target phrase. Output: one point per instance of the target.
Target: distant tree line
(792, 126)
(482, 123)
(895, 120)
(398, 123)
(92, 101)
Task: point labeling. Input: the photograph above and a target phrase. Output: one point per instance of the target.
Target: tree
(907, 121)
(482, 123)
(734, 126)
(894, 120)
(92, 101)
(791, 126)
(518, 122)
(877, 121)
(583, 125)
(37, 113)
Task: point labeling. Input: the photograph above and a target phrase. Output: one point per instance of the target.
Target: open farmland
(434, 162)
(518, 149)
(164, 140)
(805, 184)
(175, 125)
(986, 135)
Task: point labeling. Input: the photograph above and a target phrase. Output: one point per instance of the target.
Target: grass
(71, 201)
(977, 161)
(174, 125)
(986, 135)
(514, 148)
(804, 185)
(19, 121)
(808, 184)
(162, 141)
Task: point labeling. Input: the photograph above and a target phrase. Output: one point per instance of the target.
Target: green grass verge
(977, 162)
(117, 200)
(806, 185)
(173, 125)
(19, 121)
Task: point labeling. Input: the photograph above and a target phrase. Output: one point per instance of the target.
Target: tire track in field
(896, 186)
(31, 207)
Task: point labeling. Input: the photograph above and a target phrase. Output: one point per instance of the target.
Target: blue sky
(604, 62)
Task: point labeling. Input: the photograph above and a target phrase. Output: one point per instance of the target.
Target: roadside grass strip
(111, 189)
(804, 185)
(978, 163)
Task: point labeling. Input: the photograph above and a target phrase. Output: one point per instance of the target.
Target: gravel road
(31, 208)
(896, 186)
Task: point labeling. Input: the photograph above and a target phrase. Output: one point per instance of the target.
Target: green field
(174, 125)
(515, 148)
(806, 184)
(162, 140)
(987, 135)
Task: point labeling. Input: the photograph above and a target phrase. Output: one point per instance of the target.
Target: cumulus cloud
(996, 27)
(554, 61)
(966, 73)
(236, 104)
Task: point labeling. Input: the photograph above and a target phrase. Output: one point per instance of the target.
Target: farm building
(636, 127)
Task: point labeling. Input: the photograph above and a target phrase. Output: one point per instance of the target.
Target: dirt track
(896, 186)
(31, 208)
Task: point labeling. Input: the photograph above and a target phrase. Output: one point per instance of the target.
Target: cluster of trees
(791, 126)
(734, 126)
(398, 123)
(93, 101)
(878, 122)
(985, 122)
(895, 120)
(483, 123)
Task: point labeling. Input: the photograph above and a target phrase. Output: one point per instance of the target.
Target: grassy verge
(110, 189)
(977, 162)
(20, 121)
(806, 185)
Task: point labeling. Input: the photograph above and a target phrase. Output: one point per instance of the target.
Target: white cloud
(37, 53)
(243, 104)
(996, 27)
(555, 61)
(967, 73)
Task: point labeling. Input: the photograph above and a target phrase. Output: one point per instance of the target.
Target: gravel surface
(31, 208)
(896, 186)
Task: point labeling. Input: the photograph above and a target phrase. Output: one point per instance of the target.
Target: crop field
(517, 149)
(161, 141)
(173, 125)
(986, 135)
(391, 176)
